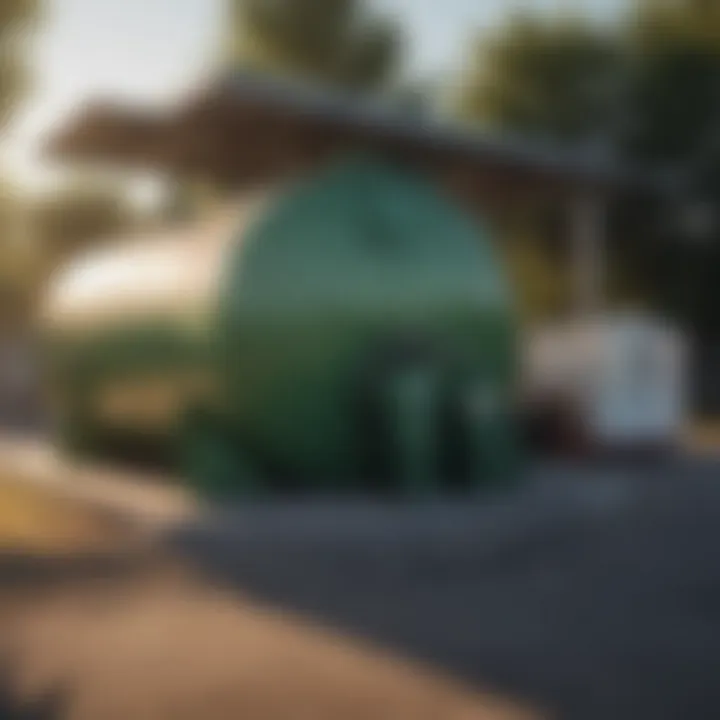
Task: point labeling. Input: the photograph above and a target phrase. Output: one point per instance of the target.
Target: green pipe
(415, 412)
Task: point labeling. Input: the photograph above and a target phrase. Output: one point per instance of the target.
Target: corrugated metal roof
(106, 133)
(384, 118)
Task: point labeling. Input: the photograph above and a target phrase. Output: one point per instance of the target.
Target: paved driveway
(595, 593)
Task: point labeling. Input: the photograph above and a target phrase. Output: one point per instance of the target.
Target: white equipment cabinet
(626, 375)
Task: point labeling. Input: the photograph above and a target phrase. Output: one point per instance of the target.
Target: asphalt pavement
(594, 593)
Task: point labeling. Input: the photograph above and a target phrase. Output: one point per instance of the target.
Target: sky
(151, 50)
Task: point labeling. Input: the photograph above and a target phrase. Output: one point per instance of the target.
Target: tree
(675, 83)
(556, 78)
(335, 42)
(649, 89)
(16, 20)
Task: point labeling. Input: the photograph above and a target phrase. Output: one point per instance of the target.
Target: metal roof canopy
(245, 127)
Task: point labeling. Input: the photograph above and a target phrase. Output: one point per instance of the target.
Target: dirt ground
(35, 522)
(95, 627)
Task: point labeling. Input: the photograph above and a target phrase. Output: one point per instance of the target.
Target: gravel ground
(595, 594)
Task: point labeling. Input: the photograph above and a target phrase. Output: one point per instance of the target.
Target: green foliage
(17, 19)
(649, 88)
(15, 251)
(17, 15)
(555, 78)
(675, 80)
(335, 42)
(38, 235)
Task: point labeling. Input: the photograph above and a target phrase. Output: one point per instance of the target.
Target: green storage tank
(353, 330)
